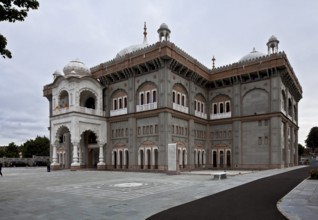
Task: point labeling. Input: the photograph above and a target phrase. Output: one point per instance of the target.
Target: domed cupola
(251, 56)
(76, 68)
(164, 32)
(272, 45)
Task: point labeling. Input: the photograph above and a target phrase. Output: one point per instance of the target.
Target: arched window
(115, 104)
(227, 107)
(154, 96)
(290, 107)
(125, 102)
(148, 97)
(195, 105)
(173, 97)
(215, 108)
(141, 99)
(284, 101)
(178, 99)
(221, 108)
(120, 103)
(183, 100)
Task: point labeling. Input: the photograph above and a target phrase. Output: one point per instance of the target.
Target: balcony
(146, 107)
(180, 108)
(80, 109)
(200, 114)
(121, 111)
(220, 115)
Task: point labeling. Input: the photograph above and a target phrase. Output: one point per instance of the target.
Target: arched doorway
(148, 159)
(89, 149)
(184, 155)
(127, 158)
(156, 154)
(141, 152)
(221, 158)
(120, 159)
(214, 157)
(115, 159)
(228, 158)
(64, 147)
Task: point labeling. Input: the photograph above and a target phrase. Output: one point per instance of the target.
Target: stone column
(55, 165)
(101, 164)
(75, 164)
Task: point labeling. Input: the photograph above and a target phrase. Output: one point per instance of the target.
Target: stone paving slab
(32, 193)
(302, 202)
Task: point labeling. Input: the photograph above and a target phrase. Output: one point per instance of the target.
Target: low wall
(5, 161)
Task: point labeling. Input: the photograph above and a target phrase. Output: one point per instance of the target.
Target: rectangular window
(172, 129)
(260, 141)
(151, 129)
(230, 134)
(156, 129)
(265, 140)
(126, 132)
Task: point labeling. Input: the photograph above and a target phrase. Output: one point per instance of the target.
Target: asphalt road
(255, 200)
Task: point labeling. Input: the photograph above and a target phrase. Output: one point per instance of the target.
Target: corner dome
(76, 68)
(251, 56)
(164, 26)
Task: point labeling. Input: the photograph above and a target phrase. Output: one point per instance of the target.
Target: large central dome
(131, 49)
(251, 56)
(135, 47)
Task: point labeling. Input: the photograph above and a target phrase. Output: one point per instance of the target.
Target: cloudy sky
(94, 31)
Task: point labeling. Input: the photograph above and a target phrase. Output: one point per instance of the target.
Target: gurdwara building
(122, 114)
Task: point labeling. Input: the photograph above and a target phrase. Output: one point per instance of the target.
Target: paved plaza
(33, 193)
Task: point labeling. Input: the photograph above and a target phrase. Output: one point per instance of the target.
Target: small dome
(251, 56)
(164, 26)
(273, 38)
(76, 68)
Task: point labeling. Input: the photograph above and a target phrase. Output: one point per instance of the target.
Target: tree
(312, 138)
(12, 11)
(39, 147)
(301, 150)
(12, 150)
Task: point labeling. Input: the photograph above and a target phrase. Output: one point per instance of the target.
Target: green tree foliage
(12, 150)
(312, 138)
(12, 11)
(39, 147)
(301, 150)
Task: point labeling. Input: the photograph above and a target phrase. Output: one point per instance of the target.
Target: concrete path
(32, 193)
